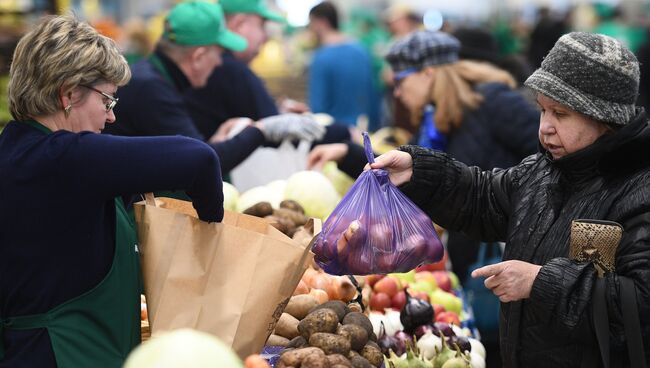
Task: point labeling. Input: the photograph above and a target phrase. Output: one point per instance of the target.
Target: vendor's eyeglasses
(399, 77)
(112, 101)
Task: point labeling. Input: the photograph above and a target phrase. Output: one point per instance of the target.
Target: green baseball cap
(200, 23)
(252, 7)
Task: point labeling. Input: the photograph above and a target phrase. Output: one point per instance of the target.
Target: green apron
(100, 327)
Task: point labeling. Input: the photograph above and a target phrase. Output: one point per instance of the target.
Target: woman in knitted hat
(570, 298)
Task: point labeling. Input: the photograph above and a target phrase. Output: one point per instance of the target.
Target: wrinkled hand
(509, 280)
(290, 126)
(399, 165)
(323, 153)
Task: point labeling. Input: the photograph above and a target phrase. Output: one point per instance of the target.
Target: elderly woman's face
(563, 131)
(91, 113)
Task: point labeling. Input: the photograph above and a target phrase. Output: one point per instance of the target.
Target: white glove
(290, 126)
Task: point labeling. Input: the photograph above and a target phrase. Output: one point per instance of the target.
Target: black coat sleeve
(459, 197)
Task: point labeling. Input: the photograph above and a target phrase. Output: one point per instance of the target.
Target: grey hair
(58, 55)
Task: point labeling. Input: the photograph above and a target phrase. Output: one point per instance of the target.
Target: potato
(322, 320)
(355, 307)
(275, 340)
(336, 305)
(300, 305)
(292, 205)
(297, 218)
(353, 354)
(261, 209)
(373, 344)
(357, 335)
(294, 357)
(372, 337)
(330, 343)
(287, 326)
(373, 355)
(315, 360)
(297, 342)
(360, 362)
(358, 319)
(277, 223)
(338, 360)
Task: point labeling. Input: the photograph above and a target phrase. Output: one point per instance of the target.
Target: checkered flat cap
(421, 49)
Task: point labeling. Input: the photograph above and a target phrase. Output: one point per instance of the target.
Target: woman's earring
(66, 110)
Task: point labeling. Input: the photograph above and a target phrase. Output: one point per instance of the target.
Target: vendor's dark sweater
(151, 105)
(57, 214)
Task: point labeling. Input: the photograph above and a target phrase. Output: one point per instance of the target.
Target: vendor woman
(69, 274)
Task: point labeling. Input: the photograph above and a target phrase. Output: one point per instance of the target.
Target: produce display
(326, 335)
(400, 320)
(419, 320)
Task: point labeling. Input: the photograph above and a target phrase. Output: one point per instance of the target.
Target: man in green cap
(191, 46)
(234, 90)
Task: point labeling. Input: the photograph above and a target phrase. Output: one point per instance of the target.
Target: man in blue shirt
(340, 76)
(190, 48)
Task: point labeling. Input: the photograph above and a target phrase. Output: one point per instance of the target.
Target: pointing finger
(487, 271)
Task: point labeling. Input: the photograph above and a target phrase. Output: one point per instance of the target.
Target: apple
(448, 317)
(379, 301)
(455, 282)
(422, 286)
(371, 280)
(399, 300)
(438, 266)
(427, 276)
(437, 309)
(405, 277)
(387, 285)
(443, 280)
(450, 302)
(422, 295)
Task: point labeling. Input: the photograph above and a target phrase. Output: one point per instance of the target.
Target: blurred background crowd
(512, 34)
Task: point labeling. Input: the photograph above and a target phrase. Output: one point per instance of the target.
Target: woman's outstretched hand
(399, 165)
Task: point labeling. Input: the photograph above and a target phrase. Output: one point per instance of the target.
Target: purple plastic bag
(376, 229)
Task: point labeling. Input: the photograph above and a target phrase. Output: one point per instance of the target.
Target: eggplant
(415, 313)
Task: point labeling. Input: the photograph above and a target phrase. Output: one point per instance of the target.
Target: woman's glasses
(112, 101)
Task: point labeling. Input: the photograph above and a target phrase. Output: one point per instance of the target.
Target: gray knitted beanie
(592, 74)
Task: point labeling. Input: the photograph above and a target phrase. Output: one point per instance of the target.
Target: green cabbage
(314, 192)
(183, 348)
(230, 197)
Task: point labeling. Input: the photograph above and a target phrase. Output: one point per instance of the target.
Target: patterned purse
(595, 241)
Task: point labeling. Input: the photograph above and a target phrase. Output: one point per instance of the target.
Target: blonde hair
(453, 91)
(58, 55)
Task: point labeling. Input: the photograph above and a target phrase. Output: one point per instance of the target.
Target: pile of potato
(289, 218)
(328, 335)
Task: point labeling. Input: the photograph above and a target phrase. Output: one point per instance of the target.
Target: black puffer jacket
(531, 206)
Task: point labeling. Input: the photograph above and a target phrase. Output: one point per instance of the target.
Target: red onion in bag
(376, 229)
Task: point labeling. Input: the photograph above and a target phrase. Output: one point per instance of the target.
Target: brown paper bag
(231, 279)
